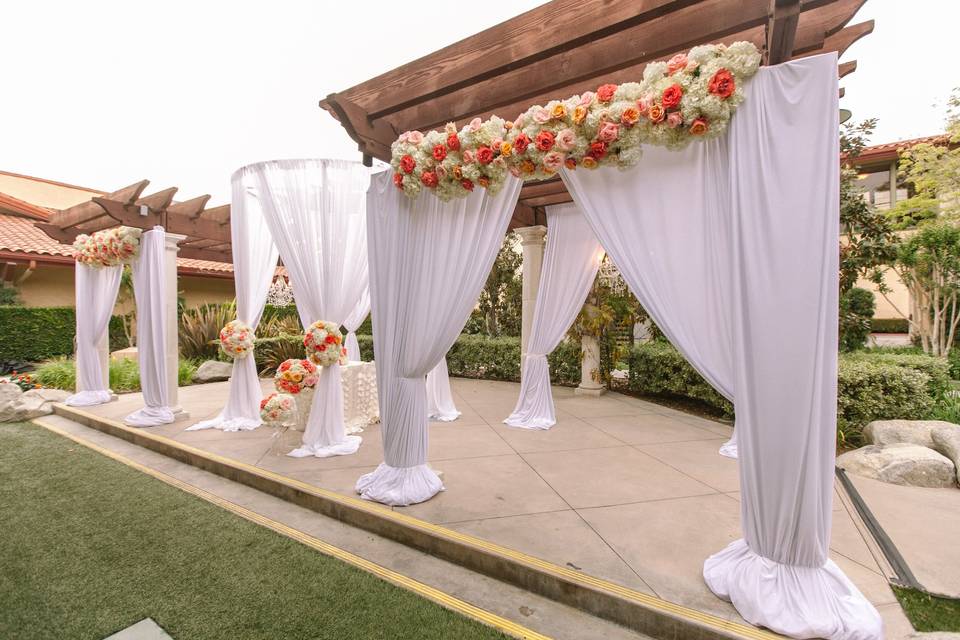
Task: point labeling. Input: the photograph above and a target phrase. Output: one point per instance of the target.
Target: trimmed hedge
(479, 356)
(33, 334)
(889, 325)
(870, 386)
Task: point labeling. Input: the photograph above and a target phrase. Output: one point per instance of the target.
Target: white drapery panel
(254, 265)
(428, 261)
(96, 292)
(440, 405)
(353, 322)
(731, 245)
(150, 293)
(315, 210)
(570, 265)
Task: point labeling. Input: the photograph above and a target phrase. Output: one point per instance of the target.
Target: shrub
(270, 352)
(199, 332)
(856, 308)
(478, 356)
(889, 325)
(657, 368)
(936, 369)
(875, 390)
(33, 334)
(61, 373)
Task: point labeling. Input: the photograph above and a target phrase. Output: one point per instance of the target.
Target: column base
(590, 392)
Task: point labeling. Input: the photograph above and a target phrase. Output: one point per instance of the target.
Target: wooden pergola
(207, 230)
(566, 47)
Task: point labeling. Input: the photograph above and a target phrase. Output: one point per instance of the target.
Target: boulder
(900, 431)
(31, 404)
(9, 392)
(213, 371)
(946, 440)
(130, 353)
(905, 464)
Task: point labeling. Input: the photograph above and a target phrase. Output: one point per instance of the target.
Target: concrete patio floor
(621, 489)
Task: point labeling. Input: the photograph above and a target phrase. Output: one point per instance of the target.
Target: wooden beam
(846, 68)
(781, 30)
(204, 254)
(544, 188)
(373, 137)
(86, 211)
(544, 201)
(189, 208)
(523, 216)
(842, 40)
(158, 201)
(219, 214)
(548, 30)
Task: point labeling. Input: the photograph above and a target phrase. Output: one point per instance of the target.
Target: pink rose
(519, 122)
(415, 137)
(674, 119)
(440, 171)
(566, 139)
(553, 161)
(467, 156)
(586, 98)
(475, 125)
(643, 106)
(496, 143)
(514, 171)
(676, 63)
(608, 132)
(541, 115)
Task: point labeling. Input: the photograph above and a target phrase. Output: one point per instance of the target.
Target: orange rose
(483, 181)
(722, 84)
(527, 166)
(506, 149)
(457, 172)
(570, 163)
(656, 113)
(589, 163)
(630, 116)
(671, 96)
(699, 127)
(559, 111)
(605, 92)
(579, 114)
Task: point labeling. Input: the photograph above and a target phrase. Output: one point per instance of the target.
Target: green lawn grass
(89, 546)
(929, 613)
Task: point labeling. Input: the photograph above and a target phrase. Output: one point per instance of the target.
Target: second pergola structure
(192, 231)
(566, 47)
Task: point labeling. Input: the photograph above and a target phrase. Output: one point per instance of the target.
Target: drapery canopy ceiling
(569, 46)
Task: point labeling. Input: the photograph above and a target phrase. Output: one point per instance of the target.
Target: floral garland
(109, 247)
(343, 356)
(293, 376)
(277, 407)
(236, 339)
(693, 95)
(323, 342)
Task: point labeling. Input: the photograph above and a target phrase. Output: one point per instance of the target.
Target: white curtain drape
(428, 261)
(353, 322)
(732, 246)
(150, 293)
(96, 291)
(254, 265)
(570, 265)
(315, 210)
(440, 405)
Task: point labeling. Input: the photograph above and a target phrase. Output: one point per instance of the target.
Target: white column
(532, 242)
(589, 368)
(172, 340)
(103, 354)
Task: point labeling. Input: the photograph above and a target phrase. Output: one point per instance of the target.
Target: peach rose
(566, 139)
(570, 163)
(699, 127)
(674, 120)
(589, 162)
(630, 116)
(559, 111)
(579, 114)
(527, 166)
(656, 113)
(506, 149)
(608, 132)
(605, 92)
(553, 161)
(676, 63)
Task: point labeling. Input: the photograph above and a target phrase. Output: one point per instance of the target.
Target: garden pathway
(621, 489)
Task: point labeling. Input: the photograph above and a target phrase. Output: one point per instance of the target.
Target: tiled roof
(9, 204)
(18, 235)
(891, 150)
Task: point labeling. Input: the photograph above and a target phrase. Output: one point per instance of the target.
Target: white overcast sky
(103, 94)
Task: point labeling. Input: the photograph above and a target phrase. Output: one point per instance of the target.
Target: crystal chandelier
(280, 293)
(611, 277)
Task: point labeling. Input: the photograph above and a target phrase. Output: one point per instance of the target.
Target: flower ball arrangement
(277, 408)
(293, 376)
(236, 339)
(323, 343)
(109, 247)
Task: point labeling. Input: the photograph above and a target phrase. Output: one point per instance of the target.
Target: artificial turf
(89, 546)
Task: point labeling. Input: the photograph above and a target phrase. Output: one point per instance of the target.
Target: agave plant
(200, 330)
(270, 352)
(288, 325)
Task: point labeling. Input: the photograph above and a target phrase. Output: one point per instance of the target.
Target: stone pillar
(532, 242)
(172, 339)
(590, 368)
(893, 183)
(103, 355)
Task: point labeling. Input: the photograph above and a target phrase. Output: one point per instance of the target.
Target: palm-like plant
(200, 330)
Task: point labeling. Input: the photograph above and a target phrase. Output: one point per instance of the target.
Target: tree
(124, 296)
(501, 298)
(928, 263)
(934, 169)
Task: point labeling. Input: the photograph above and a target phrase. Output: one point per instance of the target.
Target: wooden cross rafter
(207, 230)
